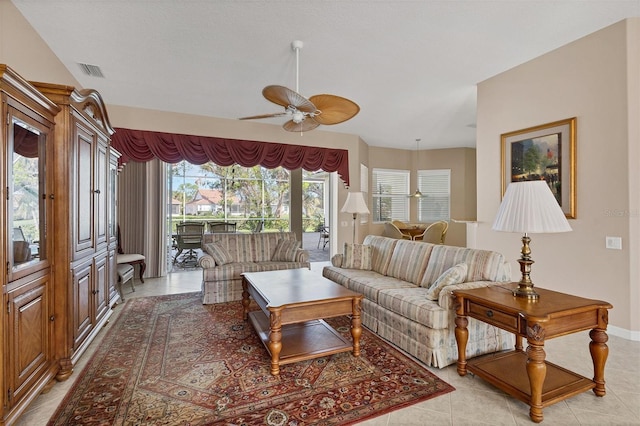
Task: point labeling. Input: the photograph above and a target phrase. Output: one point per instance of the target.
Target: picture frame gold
(545, 152)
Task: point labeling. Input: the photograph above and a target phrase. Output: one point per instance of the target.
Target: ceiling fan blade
(304, 126)
(277, 114)
(334, 109)
(283, 96)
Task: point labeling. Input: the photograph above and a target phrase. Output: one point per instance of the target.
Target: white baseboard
(624, 333)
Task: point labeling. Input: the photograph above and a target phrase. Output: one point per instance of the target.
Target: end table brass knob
(490, 313)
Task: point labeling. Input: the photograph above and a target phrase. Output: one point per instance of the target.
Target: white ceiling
(412, 66)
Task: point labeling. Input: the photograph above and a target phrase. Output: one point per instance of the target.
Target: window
(250, 197)
(435, 186)
(390, 189)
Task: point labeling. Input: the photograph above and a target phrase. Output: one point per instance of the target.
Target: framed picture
(546, 152)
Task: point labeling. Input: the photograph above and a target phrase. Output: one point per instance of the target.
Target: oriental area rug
(169, 360)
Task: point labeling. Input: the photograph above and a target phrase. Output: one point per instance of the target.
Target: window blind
(435, 186)
(390, 189)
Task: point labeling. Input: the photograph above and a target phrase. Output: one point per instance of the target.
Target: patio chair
(324, 236)
(188, 237)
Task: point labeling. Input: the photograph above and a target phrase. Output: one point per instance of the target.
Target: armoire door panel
(101, 286)
(30, 334)
(101, 192)
(83, 192)
(83, 318)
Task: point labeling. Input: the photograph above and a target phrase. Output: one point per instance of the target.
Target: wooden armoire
(57, 233)
(86, 229)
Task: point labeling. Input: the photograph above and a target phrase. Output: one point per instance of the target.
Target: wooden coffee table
(526, 375)
(293, 303)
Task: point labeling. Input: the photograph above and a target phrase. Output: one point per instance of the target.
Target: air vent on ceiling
(91, 70)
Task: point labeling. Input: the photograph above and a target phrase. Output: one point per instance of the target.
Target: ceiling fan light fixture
(298, 116)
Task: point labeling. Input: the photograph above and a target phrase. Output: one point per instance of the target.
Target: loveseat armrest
(302, 256)
(206, 261)
(446, 299)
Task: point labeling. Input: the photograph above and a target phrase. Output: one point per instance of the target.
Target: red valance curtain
(143, 145)
(25, 142)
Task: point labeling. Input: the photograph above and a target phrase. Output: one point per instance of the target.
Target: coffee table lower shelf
(301, 341)
(508, 372)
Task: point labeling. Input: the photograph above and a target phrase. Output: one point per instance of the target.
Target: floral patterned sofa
(229, 255)
(407, 289)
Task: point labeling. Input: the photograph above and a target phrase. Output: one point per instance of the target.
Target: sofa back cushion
(285, 251)
(381, 252)
(483, 265)
(409, 260)
(249, 247)
(219, 253)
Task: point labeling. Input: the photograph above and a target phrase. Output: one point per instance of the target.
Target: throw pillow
(357, 256)
(455, 275)
(285, 251)
(220, 254)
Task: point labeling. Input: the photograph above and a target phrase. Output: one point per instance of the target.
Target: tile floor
(474, 402)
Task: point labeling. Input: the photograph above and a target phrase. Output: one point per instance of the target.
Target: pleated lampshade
(530, 208)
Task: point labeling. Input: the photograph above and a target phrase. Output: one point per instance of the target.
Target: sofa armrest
(446, 300)
(206, 261)
(336, 260)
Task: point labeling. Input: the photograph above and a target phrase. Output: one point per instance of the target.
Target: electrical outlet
(614, 243)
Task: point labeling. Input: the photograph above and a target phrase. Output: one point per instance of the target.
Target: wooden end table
(293, 303)
(526, 375)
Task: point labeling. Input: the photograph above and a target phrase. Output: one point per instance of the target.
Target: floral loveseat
(229, 255)
(407, 289)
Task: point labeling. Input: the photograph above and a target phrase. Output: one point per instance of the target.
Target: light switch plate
(614, 243)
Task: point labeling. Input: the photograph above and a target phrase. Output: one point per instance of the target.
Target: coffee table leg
(275, 341)
(245, 300)
(356, 326)
(536, 370)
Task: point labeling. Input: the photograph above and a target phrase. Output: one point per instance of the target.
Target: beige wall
(22, 49)
(596, 80)
(461, 161)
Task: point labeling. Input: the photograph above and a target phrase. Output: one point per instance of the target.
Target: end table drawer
(491, 316)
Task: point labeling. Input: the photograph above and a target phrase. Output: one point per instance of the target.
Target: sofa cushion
(455, 275)
(233, 271)
(412, 303)
(409, 260)
(357, 256)
(367, 283)
(381, 251)
(285, 251)
(220, 254)
(483, 265)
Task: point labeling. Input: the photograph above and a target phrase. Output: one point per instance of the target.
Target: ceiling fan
(306, 114)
